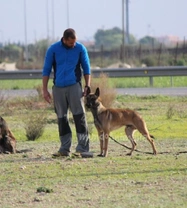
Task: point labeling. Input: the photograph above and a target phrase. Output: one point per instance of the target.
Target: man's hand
(47, 96)
(86, 89)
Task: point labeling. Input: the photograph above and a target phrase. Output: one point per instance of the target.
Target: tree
(111, 38)
(11, 52)
(148, 40)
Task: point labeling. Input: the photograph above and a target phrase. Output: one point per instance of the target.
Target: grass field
(120, 181)
(117, 82)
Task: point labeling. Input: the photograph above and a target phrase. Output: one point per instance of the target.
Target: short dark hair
(69, 33)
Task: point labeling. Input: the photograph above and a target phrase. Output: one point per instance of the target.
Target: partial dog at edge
(7, 139)
(109, 119)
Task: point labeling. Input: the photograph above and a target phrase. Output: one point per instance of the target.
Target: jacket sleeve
(85, 61)
(48, 63)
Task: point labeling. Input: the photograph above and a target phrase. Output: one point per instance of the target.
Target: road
(173, 91)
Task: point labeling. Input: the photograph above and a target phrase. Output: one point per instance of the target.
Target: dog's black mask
(91, 98)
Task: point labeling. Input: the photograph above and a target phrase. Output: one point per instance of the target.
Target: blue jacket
(67, 63)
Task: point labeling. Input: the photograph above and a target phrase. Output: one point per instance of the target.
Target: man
(67, 57)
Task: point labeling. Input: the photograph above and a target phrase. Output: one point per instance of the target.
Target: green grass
(117, 82)
(21, 84)
(144, 82)
(119, 180)
(142, 180)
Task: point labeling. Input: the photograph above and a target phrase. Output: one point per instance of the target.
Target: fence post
(151, 81)
(102, 49)
(183, 48)
(1, 55)
(176, 53)
(171, 81)
(122, 53)
(159, 54)
(140, 52)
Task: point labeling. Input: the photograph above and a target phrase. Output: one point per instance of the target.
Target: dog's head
(91, 99)
(7, 141)
(3, 128)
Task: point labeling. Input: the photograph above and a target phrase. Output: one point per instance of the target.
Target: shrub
(2, 98)
(39, 91)
(107, 92)
(44, 189)
(170, 112)
(181, 62)
(35, 124)
(149, 61)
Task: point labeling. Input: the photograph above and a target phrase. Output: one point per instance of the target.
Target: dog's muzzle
(88, 105)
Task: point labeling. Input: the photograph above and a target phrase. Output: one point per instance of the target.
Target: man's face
(69, 42)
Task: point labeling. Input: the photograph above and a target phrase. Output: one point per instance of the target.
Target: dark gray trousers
(66, 98)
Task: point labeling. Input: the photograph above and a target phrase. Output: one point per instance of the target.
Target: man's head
(69, 37)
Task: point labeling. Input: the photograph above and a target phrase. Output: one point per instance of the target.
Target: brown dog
(7, 139)
(109, 119)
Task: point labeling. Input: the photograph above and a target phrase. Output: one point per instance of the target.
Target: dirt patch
(8, 66)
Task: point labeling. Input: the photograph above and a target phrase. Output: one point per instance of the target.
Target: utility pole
(67, 13)
(2, 38)
(53, 21)
(25, 28)
(47, 21)
(123, 33)
(127, 21)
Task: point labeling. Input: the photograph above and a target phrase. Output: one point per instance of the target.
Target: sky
(146, 17)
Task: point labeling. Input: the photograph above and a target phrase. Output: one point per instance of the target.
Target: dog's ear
(88, 91)
(97, 92)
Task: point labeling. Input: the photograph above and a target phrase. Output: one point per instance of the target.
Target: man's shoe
(60, 154)
(86, 154)
(77, 154)
(83, 154)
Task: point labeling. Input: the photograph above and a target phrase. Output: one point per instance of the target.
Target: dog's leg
(103, 144)
(106, 136)
(142, 128)
(11, 135)
(129, 130)
(147, 136)
(1, 149)
(101, 139)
